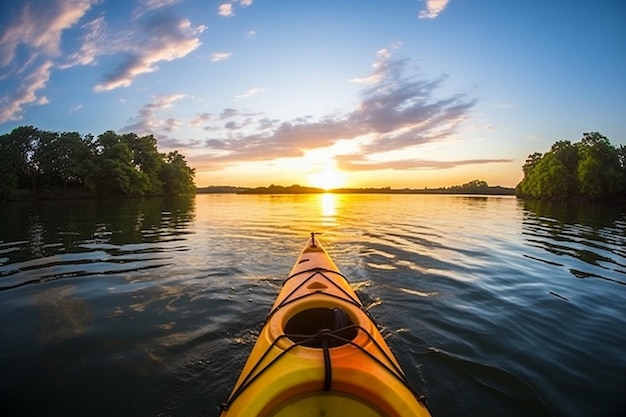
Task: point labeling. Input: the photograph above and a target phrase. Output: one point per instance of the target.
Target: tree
(16, 154)
(592, 169)
(146, 159)
(176, 176)
(531, 162)
(10, 159)
(476, 185)
(118, 173)
(62, 160)
(35, 162)
(599, 172)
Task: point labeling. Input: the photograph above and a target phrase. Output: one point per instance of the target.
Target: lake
(493, 306)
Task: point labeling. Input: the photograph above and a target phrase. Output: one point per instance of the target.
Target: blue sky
(401, 93)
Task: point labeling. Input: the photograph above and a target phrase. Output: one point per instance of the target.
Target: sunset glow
(327, 179)
(323, 94)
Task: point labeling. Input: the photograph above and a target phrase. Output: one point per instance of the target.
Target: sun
(327, 179)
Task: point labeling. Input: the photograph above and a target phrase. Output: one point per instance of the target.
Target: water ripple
(493, 306)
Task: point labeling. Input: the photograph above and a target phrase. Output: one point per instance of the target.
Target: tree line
(36, 163)
(472, 187)
(591, 169)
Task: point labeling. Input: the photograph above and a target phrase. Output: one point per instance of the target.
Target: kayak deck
(319, 353)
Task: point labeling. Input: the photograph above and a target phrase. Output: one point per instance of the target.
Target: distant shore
(297, 189)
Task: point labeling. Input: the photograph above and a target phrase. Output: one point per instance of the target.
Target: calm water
(150, 307)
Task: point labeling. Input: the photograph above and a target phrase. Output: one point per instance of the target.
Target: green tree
(117, 173)
(146, 159)
(476, 185)
(599, 172)
(591, 169)
(176, 176)
(9, 167)
(62, 160)
(35, 162)
(531, 162)
(18, 170)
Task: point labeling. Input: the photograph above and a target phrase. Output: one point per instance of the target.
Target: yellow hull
(320, 354)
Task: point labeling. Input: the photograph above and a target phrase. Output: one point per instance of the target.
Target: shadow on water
(590, 214)
(593, 235)
(496, 388)
(67, 222)
(48, 240)
(83, 292)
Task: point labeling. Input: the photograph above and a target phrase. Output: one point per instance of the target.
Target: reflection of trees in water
(589, 214)
(42, 229)
(591, 233)
(62, 316)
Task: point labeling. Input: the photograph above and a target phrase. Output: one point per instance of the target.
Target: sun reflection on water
(328, 203)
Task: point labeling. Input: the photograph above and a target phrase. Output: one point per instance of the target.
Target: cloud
(250, 93)
(225, 10)
(200, 119)
(287, 140)
(30, 41)
(433, 9)
(170, 124)
(91, 46)
(228, 113)
(220, 56)
(39, 29)
(146, 122)
(356, 162)
(156, 4)
(160, 37)
(146, 6)
(380, 66)
(11, 106)
(75, 108)
(397, 114)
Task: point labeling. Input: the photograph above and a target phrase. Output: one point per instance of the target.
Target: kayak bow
(319, 353)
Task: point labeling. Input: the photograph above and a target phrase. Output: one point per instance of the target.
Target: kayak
(319, 353)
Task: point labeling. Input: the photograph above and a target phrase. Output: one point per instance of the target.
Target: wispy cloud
(145, 6)
(161, 37)
(157, 4)
(75, 108)
(11, 106)
(200, 119)
(36, 32)
(397, 112)
(250, 93)
(433, 9)
(380, 66)
(147, 122)
(39, 29)
(356, 163)
(220, 56)
(91, 46)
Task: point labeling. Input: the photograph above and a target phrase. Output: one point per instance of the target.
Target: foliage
(41, 164)
(591, 169)
(472, 187)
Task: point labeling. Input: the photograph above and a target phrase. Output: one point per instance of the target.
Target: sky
(377, 93)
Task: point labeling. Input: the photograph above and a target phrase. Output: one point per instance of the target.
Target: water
(150, 307)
